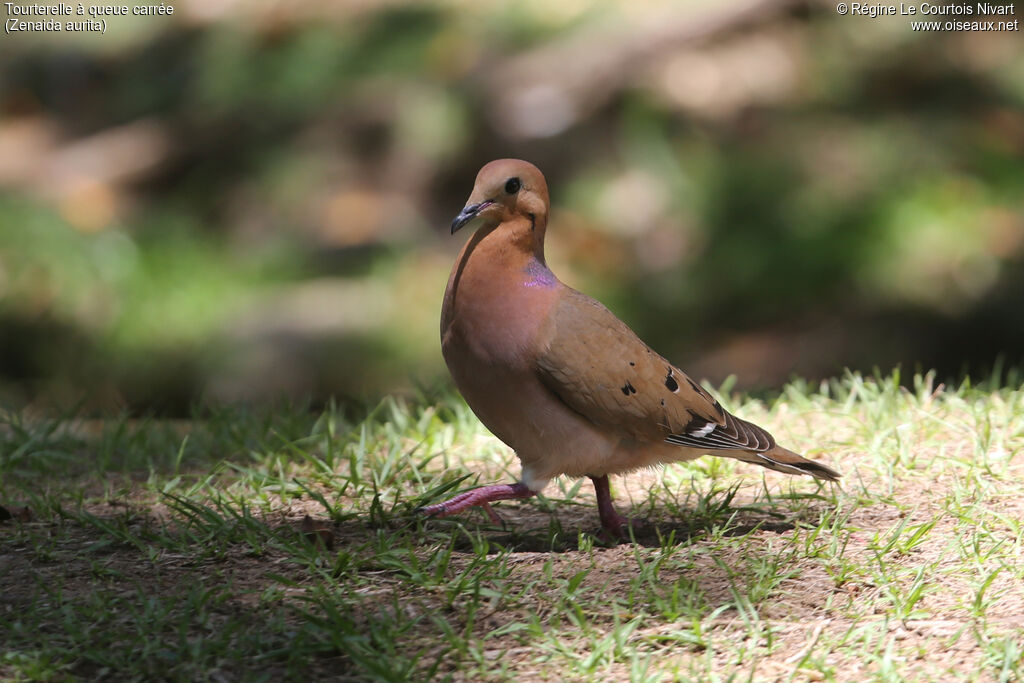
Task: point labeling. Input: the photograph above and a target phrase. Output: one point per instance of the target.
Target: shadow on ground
(529, 530)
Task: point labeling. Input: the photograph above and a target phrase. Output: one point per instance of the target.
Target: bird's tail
(784, 460)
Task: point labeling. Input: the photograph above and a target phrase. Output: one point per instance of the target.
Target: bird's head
(505, 190)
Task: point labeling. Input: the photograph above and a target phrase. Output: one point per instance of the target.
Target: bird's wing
(602, 370)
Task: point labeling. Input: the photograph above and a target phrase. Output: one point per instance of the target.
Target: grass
(183, 550)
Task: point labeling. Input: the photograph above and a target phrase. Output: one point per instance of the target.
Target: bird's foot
(616, 528)
(483, 496)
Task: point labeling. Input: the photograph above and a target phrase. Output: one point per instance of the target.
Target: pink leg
(611, 521)
(483, 496)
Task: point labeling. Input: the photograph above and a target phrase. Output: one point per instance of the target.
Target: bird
(557, 376)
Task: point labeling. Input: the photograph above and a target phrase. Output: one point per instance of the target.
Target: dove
(557, 376)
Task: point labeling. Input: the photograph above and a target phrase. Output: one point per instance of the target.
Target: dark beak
(468, 213)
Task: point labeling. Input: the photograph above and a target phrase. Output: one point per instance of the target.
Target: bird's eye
(513, 185)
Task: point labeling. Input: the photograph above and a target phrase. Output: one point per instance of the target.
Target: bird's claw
(495, 517)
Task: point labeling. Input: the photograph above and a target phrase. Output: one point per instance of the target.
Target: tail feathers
(783, 460)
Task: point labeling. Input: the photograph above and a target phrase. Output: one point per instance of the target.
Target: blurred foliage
(241, 201)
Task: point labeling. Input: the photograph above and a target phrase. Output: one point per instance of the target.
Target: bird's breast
(499, 328)
(493, 319)
(495, 308)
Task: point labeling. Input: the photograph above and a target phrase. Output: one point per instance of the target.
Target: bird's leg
(611, 521)
(483, 496)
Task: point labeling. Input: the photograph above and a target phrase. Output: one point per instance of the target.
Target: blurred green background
(250, 200)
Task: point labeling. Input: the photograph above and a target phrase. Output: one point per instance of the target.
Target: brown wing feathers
(645, 395)
(602, 370)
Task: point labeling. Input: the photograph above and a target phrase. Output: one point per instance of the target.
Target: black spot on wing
(670, 382)
(628, 389)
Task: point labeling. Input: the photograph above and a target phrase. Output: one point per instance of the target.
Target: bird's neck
(503, 259)
(513, 246)
(524, 236)
(499, 283)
